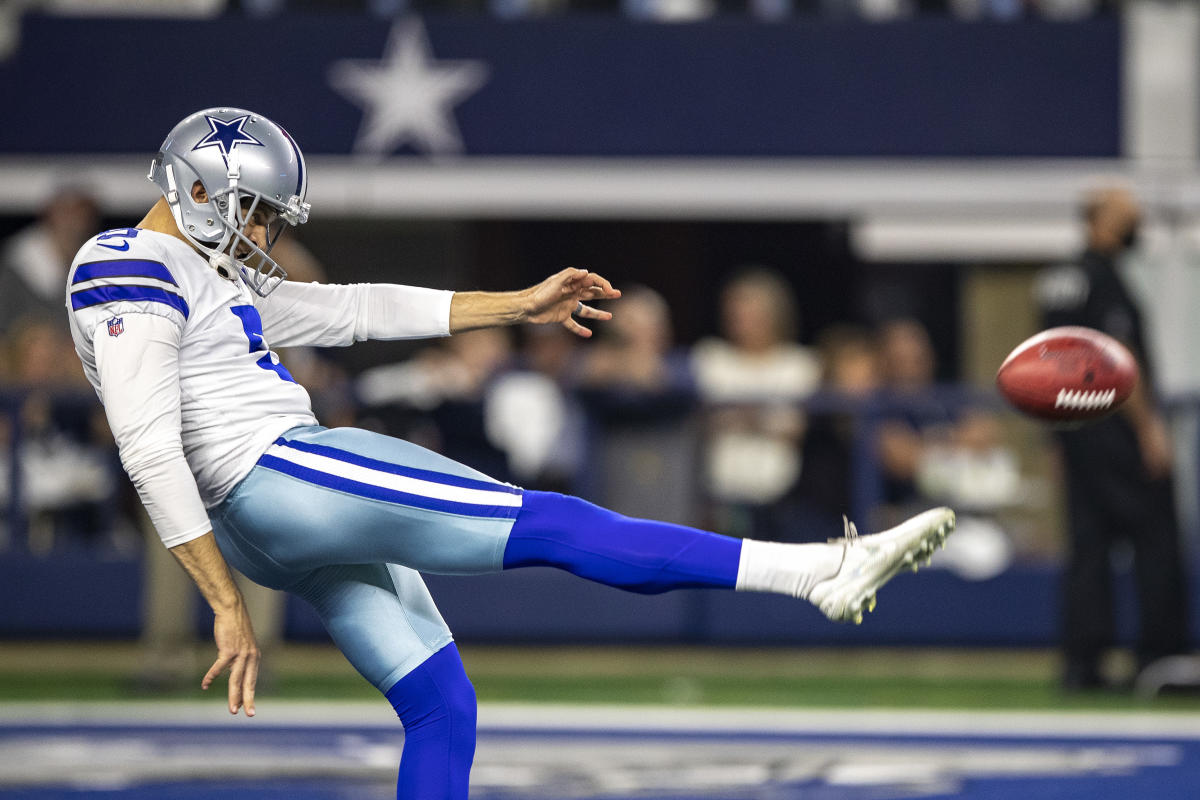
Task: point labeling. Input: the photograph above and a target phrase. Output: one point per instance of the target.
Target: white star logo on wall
(408, 97)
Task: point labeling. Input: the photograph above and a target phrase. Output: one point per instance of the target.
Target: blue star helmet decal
(227, 135)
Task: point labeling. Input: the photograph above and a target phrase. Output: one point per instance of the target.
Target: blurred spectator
(753, 379)
(515, 9)
(1007, 10)
(66, 483)
(67, 486)
(438, 396)
(908, 378)
(134, 8)
(634, 354)
(34, 262)
(646, 10)
(933, 448)
(639, 394)
(512, 416)
(851, 374)
(1118, 470)
(884, 10)
(532, 417)
(456, 368)
(668, 10)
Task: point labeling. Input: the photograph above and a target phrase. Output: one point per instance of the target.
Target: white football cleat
(868, 562)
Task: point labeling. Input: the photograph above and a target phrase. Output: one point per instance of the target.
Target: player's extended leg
(646, 556)
(320, 497)
(383, 619)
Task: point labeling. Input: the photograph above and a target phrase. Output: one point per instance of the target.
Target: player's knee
(437, 694)
(454, 687)
(461, 706)
(436, 704)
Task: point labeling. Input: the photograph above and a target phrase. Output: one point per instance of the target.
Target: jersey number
(252, 325)
(119, 233)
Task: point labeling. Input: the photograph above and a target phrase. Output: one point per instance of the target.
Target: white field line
(629, 719)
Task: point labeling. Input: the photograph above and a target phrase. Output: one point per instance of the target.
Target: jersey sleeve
(107, 282)
(330, 315)
(139, 386)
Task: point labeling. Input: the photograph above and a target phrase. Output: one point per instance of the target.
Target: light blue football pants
(330, 515)
(347, 519)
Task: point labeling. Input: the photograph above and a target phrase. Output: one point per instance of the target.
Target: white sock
(791, 569)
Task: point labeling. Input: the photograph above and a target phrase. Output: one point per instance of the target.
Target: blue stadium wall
(75, 595)
(590, 87)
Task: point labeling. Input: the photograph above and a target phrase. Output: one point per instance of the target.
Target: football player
(174, 321)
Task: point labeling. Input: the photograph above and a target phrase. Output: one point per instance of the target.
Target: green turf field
(684, 676)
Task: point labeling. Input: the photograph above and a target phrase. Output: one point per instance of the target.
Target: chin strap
(224, 265)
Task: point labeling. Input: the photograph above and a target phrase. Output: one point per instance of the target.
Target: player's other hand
(563, 298)
(238, 652)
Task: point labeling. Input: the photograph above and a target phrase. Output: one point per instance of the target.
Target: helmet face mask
(245, 163)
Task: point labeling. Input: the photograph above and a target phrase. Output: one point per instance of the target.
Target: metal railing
(866, 413)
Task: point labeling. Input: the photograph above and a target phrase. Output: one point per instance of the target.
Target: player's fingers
(570, 280)
(587, 312)
(249, 682)
(236, 672)
(575, 328)
(600, 287)
(216, 669)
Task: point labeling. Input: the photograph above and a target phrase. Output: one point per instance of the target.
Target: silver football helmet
(244, 161)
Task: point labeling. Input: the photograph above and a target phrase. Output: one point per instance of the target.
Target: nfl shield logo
(116, 326)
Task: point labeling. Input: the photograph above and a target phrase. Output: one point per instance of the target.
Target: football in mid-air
(1069, 374)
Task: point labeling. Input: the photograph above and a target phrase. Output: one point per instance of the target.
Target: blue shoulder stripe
(110, 294)
(125, 268)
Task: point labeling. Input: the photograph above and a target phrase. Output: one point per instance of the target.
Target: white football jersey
(234, 397)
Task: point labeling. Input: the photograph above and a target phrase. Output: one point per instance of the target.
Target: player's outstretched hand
(238, 652)
(564, 296)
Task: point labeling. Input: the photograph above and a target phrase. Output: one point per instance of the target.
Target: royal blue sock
(436, 704)
(638, 555)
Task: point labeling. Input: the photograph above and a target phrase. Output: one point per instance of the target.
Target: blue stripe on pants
(370, 491)
(285, 518)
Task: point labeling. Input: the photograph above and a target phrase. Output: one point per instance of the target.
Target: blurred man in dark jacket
(1118, 470)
